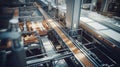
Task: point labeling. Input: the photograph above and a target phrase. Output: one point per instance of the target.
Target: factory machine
(29, 41)
(35, 39)
(95, 34)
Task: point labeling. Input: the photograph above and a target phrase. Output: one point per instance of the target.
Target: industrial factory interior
(59, 33)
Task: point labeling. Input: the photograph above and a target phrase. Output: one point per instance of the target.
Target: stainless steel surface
(73, 13)
(49, 48)
(97, 26)
(112, 34)
(101, 28)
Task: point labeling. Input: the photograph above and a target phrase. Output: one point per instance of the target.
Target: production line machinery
(30, 48)
(86, 61)
(91, 38)
(46, 44)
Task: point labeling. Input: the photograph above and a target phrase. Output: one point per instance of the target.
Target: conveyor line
(77, 53)
(101, 32)
(48, 46)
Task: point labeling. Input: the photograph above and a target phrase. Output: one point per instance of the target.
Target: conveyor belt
(48, 46)
(77, 53)
(101, 32)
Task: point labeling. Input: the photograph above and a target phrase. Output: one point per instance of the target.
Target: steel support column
(93, 4)
(73, 14)
(105, 4)
(56, 11)
(49, 6)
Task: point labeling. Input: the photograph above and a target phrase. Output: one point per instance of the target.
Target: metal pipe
(45, 54)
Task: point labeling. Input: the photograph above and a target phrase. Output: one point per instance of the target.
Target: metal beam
(73, 14)
(50, 58)
(93, 4)
(105, 4)
(49, 6)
